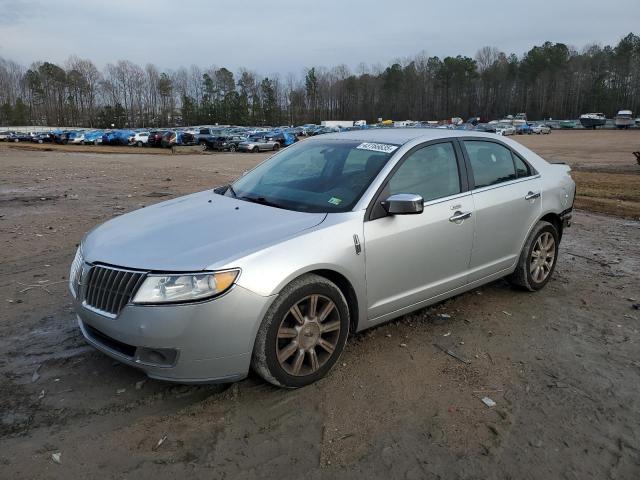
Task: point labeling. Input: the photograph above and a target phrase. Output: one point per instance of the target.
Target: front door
(413, 258)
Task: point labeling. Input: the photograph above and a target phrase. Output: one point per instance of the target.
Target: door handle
(459, 216)
(532, 196)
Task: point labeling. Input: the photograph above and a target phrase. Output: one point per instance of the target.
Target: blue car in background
(524, 129)
(117, 137)
(283, 138)
(93, 137)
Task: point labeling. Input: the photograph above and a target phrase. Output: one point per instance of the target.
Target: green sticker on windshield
(335, 201)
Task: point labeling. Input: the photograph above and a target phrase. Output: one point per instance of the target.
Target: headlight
(184, 287)
(76, 271)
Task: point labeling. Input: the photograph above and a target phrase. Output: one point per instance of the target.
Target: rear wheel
(203, 144)
(537, 259)
(303, 333)
(255, 150)
(232, 148)
(276, 147)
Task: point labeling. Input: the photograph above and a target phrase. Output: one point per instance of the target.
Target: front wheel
(255, 150)
(303, 333)
(538, 258)
(276, 147)
(232, 148)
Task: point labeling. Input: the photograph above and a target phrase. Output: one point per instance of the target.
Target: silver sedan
(258, 145)
(327, 238)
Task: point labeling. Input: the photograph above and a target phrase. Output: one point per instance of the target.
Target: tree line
(551, 80)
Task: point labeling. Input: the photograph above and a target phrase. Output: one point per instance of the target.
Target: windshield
(323, 176)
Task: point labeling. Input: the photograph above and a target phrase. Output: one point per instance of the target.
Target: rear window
(491, 163)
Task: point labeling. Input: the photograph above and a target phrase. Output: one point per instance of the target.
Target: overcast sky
(286, 36)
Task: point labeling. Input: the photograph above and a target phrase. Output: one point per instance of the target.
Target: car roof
(400, 136)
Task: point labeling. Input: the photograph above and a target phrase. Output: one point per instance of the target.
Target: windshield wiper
(260, 200)
(233, 192)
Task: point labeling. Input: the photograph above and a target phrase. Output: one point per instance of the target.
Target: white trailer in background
(337, 123)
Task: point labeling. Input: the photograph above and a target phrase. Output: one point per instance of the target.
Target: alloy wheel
(543, 255)
(308, 335)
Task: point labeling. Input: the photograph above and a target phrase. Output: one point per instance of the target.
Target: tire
(139, 144)
(527, 275)
(255, 150)
(276, 147)
(232, 148)
(16, 140)
(282, 353)
(40, 142)
(203, 144)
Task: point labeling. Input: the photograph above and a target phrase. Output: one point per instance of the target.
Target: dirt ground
(562, 365)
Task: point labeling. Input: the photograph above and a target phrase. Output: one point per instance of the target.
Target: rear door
(412, 258)
(506, 195)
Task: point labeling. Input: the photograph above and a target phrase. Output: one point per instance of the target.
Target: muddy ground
(562, 365)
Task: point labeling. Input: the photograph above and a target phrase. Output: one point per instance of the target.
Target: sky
(283, 36)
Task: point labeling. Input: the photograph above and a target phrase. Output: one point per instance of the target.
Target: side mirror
(404, 204)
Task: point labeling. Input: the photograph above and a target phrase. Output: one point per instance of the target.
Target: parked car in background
(227, 142)
(76, 138)
(93, 137)
(20, 137)
(523, 129)
(485, 127)
(284, 139)
(61, 137)
(505, 129)
(182, 292)
(117, 137)
(140, 139)
(177, 137)
(42, 138)
(321, 131)
(4, 136)
(541, 128)
(207, 137)
(155, 138)
(255, 144)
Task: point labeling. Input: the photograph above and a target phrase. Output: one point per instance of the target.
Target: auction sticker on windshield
(377, 147)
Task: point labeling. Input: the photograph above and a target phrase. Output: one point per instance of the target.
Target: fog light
(160, 357)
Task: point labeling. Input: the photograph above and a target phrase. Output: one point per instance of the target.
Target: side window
(431, 172)
(491, 163)
(522, 169)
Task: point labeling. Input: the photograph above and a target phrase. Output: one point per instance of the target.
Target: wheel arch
(347, 290)
(555, 220)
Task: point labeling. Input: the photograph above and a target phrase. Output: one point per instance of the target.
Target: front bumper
(205, 342)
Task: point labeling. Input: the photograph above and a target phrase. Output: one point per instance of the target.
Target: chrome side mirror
(404, 204)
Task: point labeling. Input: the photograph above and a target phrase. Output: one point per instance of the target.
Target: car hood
(192, 233)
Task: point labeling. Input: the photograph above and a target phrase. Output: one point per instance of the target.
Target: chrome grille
(110, 289)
